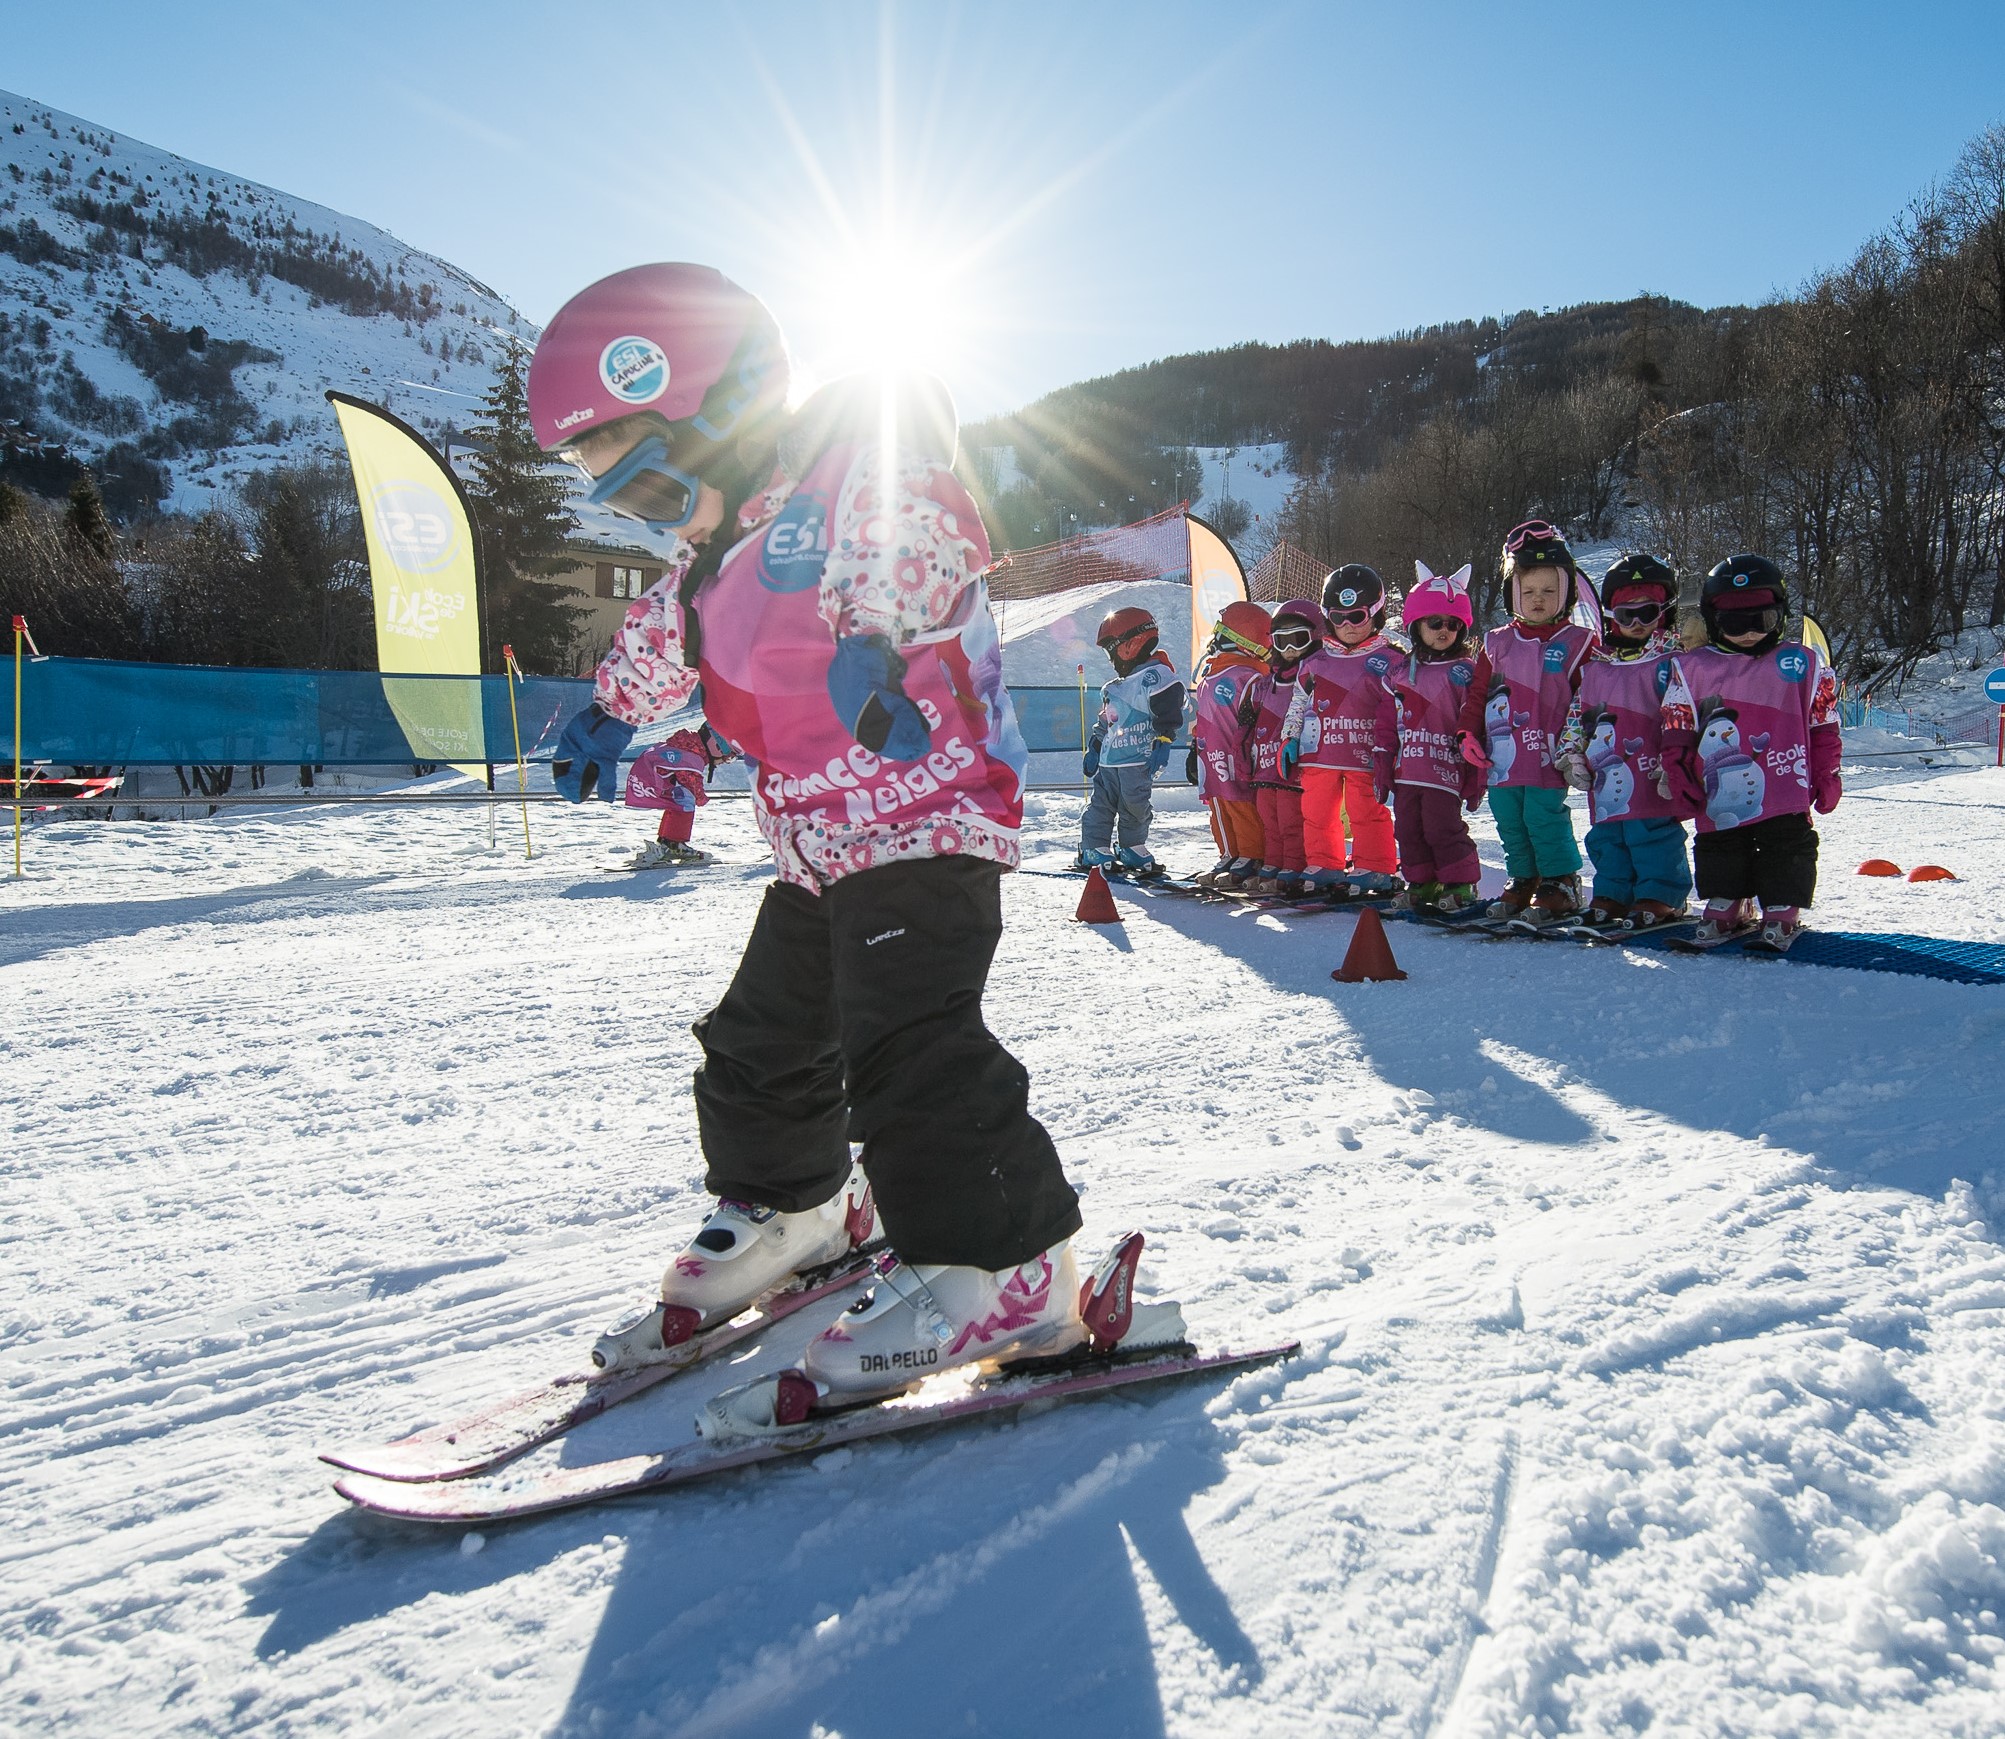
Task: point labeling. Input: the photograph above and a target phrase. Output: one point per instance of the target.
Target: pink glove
(1473, 753)
(1826, 787)
(1681, 770)
(1830, 787)
(1474, 786)
(1381, 780)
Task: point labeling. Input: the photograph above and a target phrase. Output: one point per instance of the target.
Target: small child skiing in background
(1512, 718)
(1612, 748)
(1141, 711)
(1751, 745)
(673, 776)
(1432, 782)
(1236, 655)
(1263, 710)
(1342, 731)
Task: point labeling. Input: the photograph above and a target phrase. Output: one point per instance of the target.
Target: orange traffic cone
(1369, 959)
(1096, 904)
(1930, 872)
(1879, 866)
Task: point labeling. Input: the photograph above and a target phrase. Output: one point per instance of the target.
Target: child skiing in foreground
(1612, 749)
(673, 776)
(1433, 783)
(1237, 654)
(1342, 731)
(1277, 787)
(1511, 722)
(1751, 744)
(841, 635)
(1141, 711)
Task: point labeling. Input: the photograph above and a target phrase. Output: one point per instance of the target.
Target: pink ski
(527, 1492)
(484, 1440)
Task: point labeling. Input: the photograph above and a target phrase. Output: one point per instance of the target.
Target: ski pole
(514, 674)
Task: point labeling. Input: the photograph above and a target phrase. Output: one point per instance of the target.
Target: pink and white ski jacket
(846, 551)
(1342, 712)
(1615, 731)
(1751, 736)
(1517, 705)
(1223, 769)
(1263, 708)
(1430, 693)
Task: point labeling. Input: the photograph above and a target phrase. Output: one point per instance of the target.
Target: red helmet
(1246, 625)
(652, 380)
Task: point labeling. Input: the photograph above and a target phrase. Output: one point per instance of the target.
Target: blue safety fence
(90, 712)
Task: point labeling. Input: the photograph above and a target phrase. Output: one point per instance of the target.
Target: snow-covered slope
(112, 252)
(1653, 1309)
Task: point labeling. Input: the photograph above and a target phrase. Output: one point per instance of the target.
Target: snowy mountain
(157, 311)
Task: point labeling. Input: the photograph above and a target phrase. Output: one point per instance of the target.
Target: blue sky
(1071, 188)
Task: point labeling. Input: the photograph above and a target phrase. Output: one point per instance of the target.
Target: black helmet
(1538, 544)
(1639, 568)
(1355, 586)
(1752, 588)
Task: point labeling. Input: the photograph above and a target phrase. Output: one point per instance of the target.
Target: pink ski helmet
(1438, 595)
(652, 380)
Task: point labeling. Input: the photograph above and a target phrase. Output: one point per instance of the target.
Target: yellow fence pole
(20, 632)
(514, 673)
(1082, 725)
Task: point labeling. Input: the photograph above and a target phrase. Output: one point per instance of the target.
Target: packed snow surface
(1652, 1310)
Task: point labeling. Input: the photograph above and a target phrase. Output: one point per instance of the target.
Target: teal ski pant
(1537, 831)
(1640, 859)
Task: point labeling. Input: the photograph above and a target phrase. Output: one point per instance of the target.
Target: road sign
(1994, 687)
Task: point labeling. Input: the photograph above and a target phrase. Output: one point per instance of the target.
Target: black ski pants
(857, 1014)
(1773, 861)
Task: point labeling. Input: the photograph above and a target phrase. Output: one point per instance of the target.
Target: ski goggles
(1295, 640)
(645, 484)
(1348, 618)
(1533, 532)
(1765, 619)
(1637, 615)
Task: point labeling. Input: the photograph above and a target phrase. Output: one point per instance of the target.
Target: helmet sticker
(634, 369)
(1347, 597)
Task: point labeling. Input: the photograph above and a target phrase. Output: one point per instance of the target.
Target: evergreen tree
(523, 522)
(84, 519)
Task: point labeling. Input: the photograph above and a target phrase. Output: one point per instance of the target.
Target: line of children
(1512, 718)
(1238, 652)
(1341, 732)
(1141, 711)
(1433, 783)
(1612, 749)
(1263, 713)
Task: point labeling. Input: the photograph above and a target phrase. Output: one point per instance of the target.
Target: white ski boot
(918, 1322)
(667, 854)
(742, 1253)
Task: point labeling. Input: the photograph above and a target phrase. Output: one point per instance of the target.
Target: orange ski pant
(1331, 796)
(1235, 825)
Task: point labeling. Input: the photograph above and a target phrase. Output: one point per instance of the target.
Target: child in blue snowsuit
(1141, 711)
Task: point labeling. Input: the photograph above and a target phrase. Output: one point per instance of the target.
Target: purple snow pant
(1434, 842)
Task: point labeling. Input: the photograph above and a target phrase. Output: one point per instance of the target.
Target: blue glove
(1089, 763)
(1291, 755)
(865, 683)
(1159, 758)
(588, 754)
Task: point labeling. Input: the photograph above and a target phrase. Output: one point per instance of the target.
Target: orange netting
(1157, 548)
(1286, 572)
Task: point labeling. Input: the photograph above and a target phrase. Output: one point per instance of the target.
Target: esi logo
(415, 526)
(1226, 690)
(1793, 662)
(796, 546)
(1378, 664)
(1663, 677)
(1555, 655)
(634, 369)
(1461, 673)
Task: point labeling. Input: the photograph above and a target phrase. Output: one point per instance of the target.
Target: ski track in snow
(1653, 1313)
